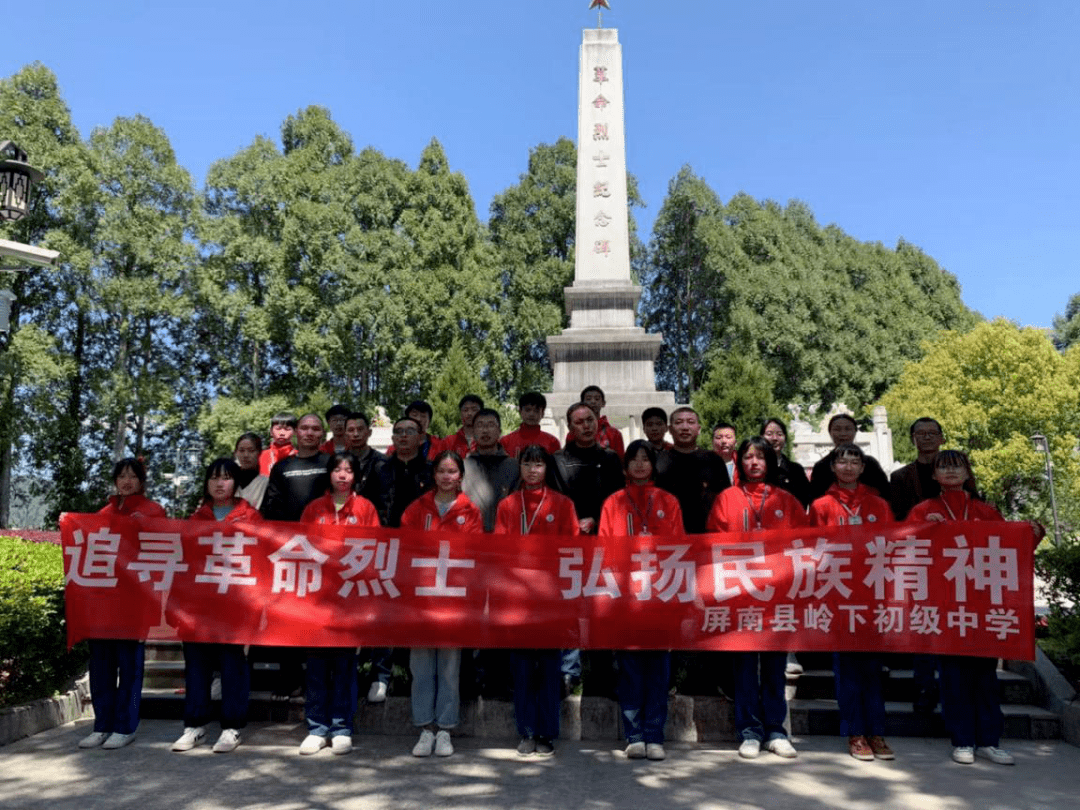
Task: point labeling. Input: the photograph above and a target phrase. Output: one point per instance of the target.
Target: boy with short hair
(464, 442)
(282, 427)
(335, 423)
(531, 407)
(654, 425)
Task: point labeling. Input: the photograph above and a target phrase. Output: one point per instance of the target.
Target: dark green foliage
(34, 659)
(830, 318)
(1067, 327)
(1059, 568)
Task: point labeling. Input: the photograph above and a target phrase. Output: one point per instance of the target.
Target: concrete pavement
(47, 771)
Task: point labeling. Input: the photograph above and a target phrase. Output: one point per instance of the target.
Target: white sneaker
(192, 736)
(995, 754)
(655, 751)
(377, 692)
(782, 747)
(312, 744)
(793, 667)
(963, 754)
(229, 739)
(117, 740)
(340, 744)
(93, 739)
(443, 746)
(636, 750)
(749, 748)
(425, 745)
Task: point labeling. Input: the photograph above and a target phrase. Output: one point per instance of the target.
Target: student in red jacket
(331, 685)
(970, 705)
(341, 505)
(201, 660)
(436, 696)
(858, 674)
(282, 428)
(535, 508)
(531, 407)
(116, 665)
(755, 504)
(642, 508)
(464, 441)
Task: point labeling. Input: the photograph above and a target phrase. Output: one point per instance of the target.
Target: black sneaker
(526, 747)
(544, 748)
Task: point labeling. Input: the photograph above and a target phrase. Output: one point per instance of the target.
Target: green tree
(1067, 326)
(40, 385)
(992, 388)
(455, 379)
(532, 229)
(737, 389)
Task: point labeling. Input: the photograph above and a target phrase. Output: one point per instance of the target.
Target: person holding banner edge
(222, 504)
(116, 665)
(436, 672)
(536, 509)
(970, 704)
(642, 508)
(756, 503)
(857, 674)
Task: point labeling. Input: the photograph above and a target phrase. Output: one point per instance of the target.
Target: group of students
(528, 483)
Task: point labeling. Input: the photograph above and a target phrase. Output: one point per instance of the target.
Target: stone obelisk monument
(602, 346)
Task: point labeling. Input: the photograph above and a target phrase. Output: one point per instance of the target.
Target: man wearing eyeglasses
(406, 475)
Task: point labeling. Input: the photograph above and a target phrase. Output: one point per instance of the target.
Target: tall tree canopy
(831, 318)
(992, 388)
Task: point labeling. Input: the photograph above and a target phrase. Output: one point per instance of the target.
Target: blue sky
(951, 124)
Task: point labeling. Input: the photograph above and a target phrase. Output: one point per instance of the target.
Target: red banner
(961, 588)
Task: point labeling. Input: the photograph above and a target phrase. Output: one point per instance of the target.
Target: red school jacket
(242, 512)
(462, 516)
(849, 507)
(536, 511)
(953, 506)
(639, 510)
(516, 441)
(133, 506)
(356, 511)
(749, 507)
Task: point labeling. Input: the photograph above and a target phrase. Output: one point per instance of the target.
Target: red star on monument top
(599, 4)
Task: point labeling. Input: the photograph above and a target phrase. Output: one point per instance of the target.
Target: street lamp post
(17, 177)
(1043, 446)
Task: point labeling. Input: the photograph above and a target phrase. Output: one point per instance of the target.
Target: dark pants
(644, 678)
(382, 663)
(537, 678)
(858, 693)
(970, 705)
(758, 681)
(116, 677)
(330, 699)
(200, 661)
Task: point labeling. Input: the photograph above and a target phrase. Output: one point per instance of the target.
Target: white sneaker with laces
(995, 754)
(963, 754)
(117, 740)
(425, 745)
(636, 750)
(229, 739)
(312, 744)
(782, 747)
(377, 692)
(93, 739)
(749, 748)
(443, 746)
(341, 744)
(655, 751)
(192, 736)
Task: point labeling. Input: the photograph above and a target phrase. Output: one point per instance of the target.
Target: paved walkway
(47, 771)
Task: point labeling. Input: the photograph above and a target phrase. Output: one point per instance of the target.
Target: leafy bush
(1059, 568)
(34, 659)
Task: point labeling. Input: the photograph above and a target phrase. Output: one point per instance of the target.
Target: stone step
(690, 719)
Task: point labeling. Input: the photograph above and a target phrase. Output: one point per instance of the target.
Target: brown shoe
(881, 748)
(860, 748)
